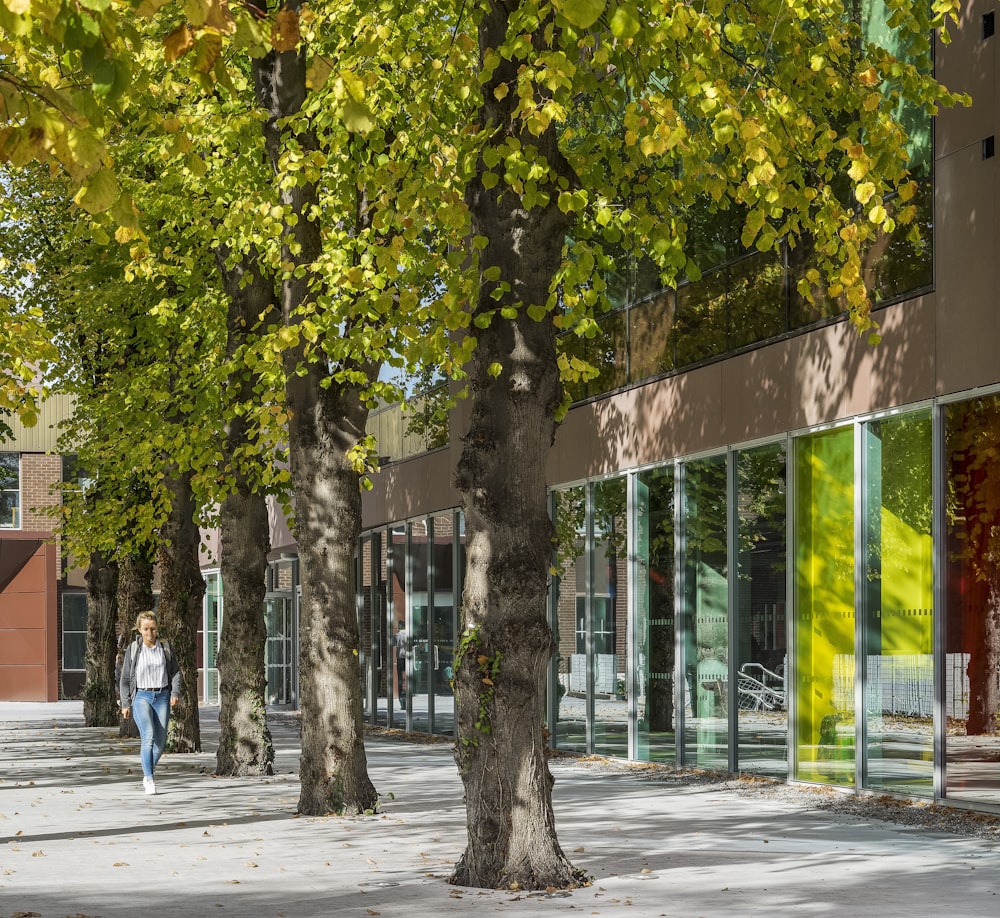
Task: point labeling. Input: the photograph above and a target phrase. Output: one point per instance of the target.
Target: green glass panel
(899, 601)
(824, 607)
(706, 615)
(654, 625)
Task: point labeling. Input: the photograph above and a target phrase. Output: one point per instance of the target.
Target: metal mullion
(939, 567)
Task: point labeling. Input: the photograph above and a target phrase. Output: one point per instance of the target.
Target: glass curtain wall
(656, 675)
(570, 620)
(609, 616)
(445, 583)
(370, 669)
(212, 625)
(824, 607)
(280, 649)
(705, 647)
(898, 632)
(398, 645)
(761, 629)
(418, 678)
(972, 583)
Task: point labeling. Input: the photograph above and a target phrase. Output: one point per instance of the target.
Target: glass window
(10, 491)
(761, 636)
(444, 624)
(212, 626)
(398, 647)
(418, 678)
(706, 614)
(74, 615)
(609, 617)
(656, 679)
(899, 605)
(650, 336)
(569, 620)
(972, 642)
(700, 325)
(824, 607)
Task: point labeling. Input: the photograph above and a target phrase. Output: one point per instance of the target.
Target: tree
(245, 745)
(615, 120)
(100, 693)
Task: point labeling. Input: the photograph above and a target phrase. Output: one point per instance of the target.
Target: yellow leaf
(18, 7)
(318, 71)
(219, 17)
(285, 35)
(178, 43)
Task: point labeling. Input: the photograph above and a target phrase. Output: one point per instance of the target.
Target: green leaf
(581, 13)
(357, 117)
(99, 193)
(625, 21)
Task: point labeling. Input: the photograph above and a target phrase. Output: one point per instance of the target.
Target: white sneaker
(149, 785)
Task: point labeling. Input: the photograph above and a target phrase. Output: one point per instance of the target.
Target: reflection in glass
(397, 645)
(210, 645)
(570, 620)
(419, 657)
(899, 605)
(700, 325)
(654, 611)
(366, 608)
(824, 607)
(706, 615)
(972, 642)
(762, 651)
(755, 300)
(651, 344)
(609, 618)
(444, 625)
(606, 353)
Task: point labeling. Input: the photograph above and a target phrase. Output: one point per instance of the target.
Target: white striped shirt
(151, 667)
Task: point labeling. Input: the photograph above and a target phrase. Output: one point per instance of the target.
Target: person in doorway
(401, 643)
(149, 686)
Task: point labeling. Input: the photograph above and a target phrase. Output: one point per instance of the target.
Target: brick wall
(40, 476)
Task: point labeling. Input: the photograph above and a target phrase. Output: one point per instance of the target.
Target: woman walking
(149, 686)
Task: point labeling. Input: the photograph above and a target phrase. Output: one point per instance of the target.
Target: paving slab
(79, 838)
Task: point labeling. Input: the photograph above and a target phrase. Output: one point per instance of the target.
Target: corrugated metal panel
(42, 437)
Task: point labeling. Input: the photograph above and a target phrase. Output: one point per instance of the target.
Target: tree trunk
(135, 595)
(506, 641)
(100, 695)
(325, 422)
(327, 500)
(245, 745)
(984, 661)
(182, 589)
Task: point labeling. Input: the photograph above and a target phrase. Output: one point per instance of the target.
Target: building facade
(43, 608)
(779, 546)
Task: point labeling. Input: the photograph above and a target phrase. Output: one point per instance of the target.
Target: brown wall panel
(24, 683)
(967, 64)
(22, 646)
(966, 270)
(29, 641)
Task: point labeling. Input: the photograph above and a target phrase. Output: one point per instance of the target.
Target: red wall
(29, 640)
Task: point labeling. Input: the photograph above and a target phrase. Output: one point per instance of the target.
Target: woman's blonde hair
(145, 615)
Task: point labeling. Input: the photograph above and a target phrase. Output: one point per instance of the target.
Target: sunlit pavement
(79, 838)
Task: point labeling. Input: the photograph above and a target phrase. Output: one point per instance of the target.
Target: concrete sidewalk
(79, 838)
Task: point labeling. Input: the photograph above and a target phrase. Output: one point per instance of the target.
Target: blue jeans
(151, 711)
